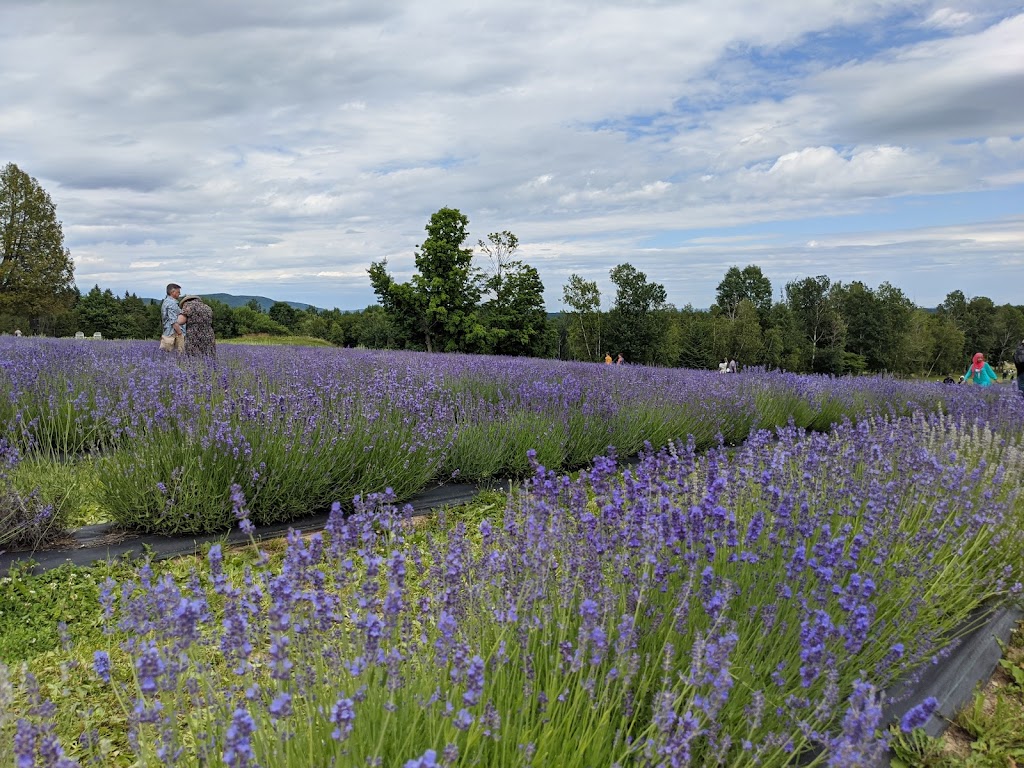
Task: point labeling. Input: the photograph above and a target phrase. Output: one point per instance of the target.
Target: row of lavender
(299, 429)
(737, 607)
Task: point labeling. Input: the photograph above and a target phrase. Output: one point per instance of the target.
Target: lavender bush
(740, 607)
(299, 428)
(26, 521)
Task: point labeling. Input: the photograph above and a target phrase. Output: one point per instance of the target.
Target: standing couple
(187, 324)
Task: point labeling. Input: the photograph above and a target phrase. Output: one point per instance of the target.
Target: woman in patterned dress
(198, 320)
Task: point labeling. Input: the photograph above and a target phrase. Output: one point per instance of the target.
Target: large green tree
(514, 314)
(1008, 330)
(877, 322)
(583, 326)
(637, 321)
(746, 341)
(438, 307)
(99, 311)
(816, 314)
(37, 277)
(748, 283)
(284, 314)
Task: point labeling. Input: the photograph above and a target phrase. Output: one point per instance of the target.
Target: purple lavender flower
(919, 715)
(860, 743)
(427, 760)
(25, 744)
(463, 719)
(101, 663)
(343, 714)
(281, 706)
(238, 752)
(474, 682)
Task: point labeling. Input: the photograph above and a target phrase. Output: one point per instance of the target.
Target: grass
(265, 339)
(987, 732)
(51, 623)
(455, 539)
(73, 486)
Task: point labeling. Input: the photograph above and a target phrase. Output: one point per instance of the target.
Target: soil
(957, 741)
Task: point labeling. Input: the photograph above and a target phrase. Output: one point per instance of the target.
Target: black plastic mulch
(98, 543)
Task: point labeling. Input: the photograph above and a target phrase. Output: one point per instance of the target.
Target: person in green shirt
(980, 372)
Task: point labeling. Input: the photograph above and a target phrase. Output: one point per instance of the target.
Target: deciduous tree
(514, 314)
(583, 298)
(637, 319)
(817, 316)
(36, 272)
(283, 313)
(747, 283)
(438, 307)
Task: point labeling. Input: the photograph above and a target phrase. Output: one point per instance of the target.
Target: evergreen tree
(99, 311)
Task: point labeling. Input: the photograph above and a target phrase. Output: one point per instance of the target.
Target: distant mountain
(240, 301)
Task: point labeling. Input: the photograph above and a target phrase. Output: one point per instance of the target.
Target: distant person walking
(197, 317)
(980, 372)
(733, 366)
(619, 360)
(17, 331)
(607, 358)
(172, 338)
(1018, 362)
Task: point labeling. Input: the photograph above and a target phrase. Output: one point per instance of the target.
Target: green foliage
(748, 284)
(100, 311)
(283, 314)
(746, 341)
(376, 330)
(584, 325)
(514, 315)
(915, 749)
(33, 606)
(854, 363)
(638, 322)
(249, 321)
(277, 341)
(703, 338)
(876, 323)
(36, 271)
(438, 307)
(997, 726)
(70, 485)
(1015, 672)
(817, 315)
(1008, 328)
(223, 319)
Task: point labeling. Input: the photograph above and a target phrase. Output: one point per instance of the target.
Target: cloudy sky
(273, 148)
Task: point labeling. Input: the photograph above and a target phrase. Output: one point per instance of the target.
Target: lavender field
(785, 549)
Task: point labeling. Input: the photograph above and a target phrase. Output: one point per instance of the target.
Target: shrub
(26, 521)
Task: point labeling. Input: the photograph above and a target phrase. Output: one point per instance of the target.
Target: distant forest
(821, 326)
(453, 305)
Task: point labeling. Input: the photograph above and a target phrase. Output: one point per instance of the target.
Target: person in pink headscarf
(980, 372)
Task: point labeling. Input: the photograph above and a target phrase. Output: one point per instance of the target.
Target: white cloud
(246, 145)
(948, 18)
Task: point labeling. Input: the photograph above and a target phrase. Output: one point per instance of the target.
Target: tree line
(453, 304)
